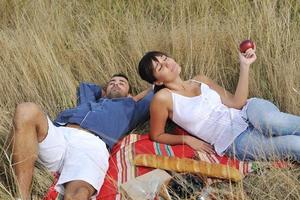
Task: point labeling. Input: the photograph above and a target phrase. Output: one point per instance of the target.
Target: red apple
(246, 44)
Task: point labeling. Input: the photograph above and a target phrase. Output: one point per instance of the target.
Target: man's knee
(78, 190)
(26, 113)
(81, 194)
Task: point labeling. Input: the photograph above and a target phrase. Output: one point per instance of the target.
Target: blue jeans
(271, 134)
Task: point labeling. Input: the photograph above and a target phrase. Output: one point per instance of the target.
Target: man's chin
(114, 95)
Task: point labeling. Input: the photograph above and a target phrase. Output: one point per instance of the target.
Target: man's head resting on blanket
(118, 86)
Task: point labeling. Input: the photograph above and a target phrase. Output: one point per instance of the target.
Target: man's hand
(198, 144)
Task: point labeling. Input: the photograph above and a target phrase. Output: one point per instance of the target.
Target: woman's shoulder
(163, 95)
(204, 79)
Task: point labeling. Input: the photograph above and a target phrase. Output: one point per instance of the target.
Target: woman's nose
(168, 64)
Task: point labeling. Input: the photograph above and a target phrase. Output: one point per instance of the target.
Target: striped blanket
(121, 168)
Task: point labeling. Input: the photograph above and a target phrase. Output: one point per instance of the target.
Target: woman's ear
(158, 83)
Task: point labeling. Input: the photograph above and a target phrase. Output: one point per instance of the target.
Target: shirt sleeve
(141, 113)
(88, 92)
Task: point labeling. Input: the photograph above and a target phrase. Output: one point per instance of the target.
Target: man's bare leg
(78, 190)
(30, 126)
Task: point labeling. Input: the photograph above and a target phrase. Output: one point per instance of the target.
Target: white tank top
(206, 117)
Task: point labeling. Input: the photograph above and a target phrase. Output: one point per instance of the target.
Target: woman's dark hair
(146, 67)
(158, 87)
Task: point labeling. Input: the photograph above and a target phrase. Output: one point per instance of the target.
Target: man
(77, 144)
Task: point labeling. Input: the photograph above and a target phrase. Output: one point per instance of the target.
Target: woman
(217, 120)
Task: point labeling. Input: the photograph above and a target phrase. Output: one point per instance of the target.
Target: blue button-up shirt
(110, 119)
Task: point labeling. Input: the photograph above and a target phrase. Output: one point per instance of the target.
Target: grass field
(48, 47)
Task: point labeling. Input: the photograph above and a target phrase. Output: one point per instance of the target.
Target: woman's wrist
(244, 67)
(243, 64)
(185, 139)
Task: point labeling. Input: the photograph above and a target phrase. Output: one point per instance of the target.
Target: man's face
(117, 87)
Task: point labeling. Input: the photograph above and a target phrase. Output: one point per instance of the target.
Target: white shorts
(75, 154)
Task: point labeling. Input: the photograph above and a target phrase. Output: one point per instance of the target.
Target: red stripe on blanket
(121, 169)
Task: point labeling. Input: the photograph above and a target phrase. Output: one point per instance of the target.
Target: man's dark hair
(120, 75)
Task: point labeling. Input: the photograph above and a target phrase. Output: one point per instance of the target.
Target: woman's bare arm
(159, 114)
(239, 98)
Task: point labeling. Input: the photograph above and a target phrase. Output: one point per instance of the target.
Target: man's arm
(141, 113)
(142, 94)
(88, 92)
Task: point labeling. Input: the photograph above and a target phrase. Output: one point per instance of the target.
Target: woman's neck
(177, 85)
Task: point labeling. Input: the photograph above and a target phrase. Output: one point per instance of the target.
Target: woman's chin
(179, 70)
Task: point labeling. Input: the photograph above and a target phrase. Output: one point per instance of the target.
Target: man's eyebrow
(121, 80)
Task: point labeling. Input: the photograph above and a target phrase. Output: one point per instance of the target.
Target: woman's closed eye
(162, 64)
(160, 67)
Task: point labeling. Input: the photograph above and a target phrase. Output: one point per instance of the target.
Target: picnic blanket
(121, 168)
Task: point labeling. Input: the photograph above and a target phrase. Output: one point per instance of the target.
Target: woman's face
(165, 69)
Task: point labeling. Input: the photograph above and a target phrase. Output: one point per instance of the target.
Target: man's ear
(103, 93)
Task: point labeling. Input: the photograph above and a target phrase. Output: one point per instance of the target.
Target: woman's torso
(206, 117)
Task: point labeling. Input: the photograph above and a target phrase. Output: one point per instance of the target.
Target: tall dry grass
(48, 47)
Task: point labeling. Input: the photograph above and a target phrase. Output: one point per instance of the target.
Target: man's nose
(116, 84)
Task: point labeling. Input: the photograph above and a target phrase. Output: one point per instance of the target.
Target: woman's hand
(247, 58)
(198, 144)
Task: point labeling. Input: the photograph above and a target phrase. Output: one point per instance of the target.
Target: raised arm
(239, 98)
(88, 92)
(141, 94)
(159, 114)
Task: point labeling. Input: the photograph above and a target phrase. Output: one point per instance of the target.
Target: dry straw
(48, 47)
